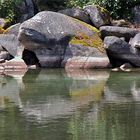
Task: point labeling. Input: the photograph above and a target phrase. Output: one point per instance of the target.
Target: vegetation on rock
(118, 8)
(88, 41)
(2, 30)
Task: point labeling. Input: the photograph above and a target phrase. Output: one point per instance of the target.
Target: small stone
(125, 67)
(32, 67)
(2, 60)
(115, 69)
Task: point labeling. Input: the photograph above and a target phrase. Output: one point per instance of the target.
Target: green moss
(88, 41)
(87, 25)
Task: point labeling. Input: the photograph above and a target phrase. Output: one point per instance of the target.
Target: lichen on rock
(88, 41)
(99, 16)
(68, 43)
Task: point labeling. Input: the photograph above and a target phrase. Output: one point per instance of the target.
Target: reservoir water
(70, 105)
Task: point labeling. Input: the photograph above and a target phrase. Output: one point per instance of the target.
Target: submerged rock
(125, 32)
(98, 15)
(62, 41)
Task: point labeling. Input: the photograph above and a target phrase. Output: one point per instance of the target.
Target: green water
(70, 105)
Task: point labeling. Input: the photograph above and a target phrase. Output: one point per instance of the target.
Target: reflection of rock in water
(135, 90)
(9, 91)
(53, 94)
(122, 87)
(116, 116)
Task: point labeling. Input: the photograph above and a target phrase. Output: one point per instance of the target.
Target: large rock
(121, 23)
(121, 52)
(14, 29)
(10, 43)
(135, 42)
(4, 55)
(118, 31)
(51, 5)
(76, 13)
(14, 64)
(10, 47)
(62, 41)
(98, 15)
(3, 22)
(27, 9)
(136, 15)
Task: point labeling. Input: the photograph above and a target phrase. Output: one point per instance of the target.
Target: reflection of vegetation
(107, 122)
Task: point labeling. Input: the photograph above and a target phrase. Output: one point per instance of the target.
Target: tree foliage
(118, 8)
(8, 9)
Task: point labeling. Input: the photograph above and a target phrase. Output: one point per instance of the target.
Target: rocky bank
(71, 38)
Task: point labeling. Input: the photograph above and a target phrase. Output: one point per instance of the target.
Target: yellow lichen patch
(105, 14)
(87, 25)
(6, 31)
(102, 9)
(88, 41)
(1, 30)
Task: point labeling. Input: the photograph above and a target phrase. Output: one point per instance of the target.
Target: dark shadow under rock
(30, 58)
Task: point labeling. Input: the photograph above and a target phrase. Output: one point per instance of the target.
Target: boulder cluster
(71, 38)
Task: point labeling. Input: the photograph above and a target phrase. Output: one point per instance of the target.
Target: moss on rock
(92, 28)
(2, 30)
(105, 14)
(88, 41)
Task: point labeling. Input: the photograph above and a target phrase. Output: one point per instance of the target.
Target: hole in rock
(30, 58)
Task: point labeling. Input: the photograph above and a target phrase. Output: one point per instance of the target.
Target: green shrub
(8, 9)
(118, 8)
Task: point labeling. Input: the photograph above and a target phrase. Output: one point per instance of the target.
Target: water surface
(70, 105)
